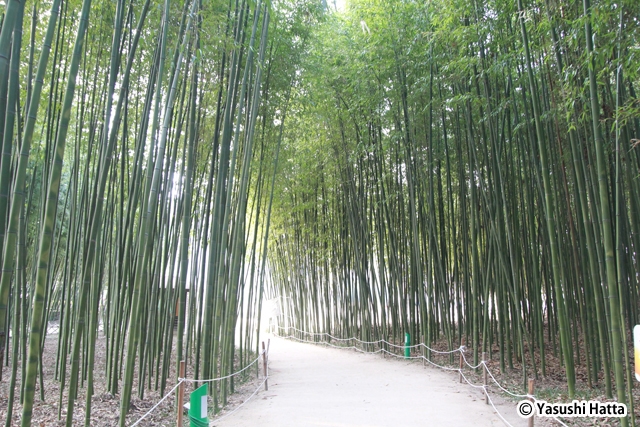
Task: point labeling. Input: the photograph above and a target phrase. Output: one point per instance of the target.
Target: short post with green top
(407, 344)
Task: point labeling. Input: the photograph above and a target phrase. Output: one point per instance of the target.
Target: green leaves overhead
(145, 101)
(442, 180)
(440, 168)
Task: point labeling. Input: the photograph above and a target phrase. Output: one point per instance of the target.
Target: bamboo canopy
(465, 172)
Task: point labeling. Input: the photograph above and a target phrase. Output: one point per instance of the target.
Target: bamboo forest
(467, 172)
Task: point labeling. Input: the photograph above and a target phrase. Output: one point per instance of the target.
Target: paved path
(311, 385)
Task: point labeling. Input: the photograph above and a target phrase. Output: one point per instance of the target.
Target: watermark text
(577, 408)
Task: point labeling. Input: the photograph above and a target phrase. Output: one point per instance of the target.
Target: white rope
(405, 346)
(372, 342)
(158, 404)
(502, 388)
(382, 350)
(325, 343)
(242, 404)
(254, 392)
(369, 352)
(460, 349)
(446, 368)
(368, 342)
(336, 338)
(301, 331)
(529, 396)
(496, 409)
(469, 382)
(192, 380)
(351, 347)
(486, 393)
(469, 364)
(561, 423)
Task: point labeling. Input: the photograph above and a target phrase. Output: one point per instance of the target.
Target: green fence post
(198, 408)
(407, 343)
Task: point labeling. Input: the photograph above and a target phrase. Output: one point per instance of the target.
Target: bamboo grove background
(138, 161)
(463, 171)
(468, 172)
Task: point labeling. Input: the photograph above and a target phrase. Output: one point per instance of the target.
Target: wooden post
(264, 367)
(461, 358)
(180, 396)
(531, 385)
(484, 367)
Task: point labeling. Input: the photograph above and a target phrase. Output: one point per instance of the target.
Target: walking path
(310, 385)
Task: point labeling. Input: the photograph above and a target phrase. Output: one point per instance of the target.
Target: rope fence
(355, 341)
(383, 342)
(243, 403)
(157, 404)
(264, 354)
(211, 380)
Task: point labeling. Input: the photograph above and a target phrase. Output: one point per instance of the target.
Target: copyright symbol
(525, 409)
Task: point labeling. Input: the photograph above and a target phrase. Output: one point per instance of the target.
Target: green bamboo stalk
(9, 122)
(558, 287)
(609, 244)
(8, 259)
(143, 247)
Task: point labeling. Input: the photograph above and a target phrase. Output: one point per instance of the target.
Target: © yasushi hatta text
(577, 408)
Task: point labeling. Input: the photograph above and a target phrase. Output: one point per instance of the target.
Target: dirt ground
(105, 407)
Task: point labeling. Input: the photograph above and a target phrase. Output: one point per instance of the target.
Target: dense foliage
(137, 161)
(468, 171)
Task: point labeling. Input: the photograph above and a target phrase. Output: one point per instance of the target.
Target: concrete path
(311, 385)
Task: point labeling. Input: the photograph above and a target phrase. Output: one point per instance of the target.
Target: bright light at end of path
(339, 5)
